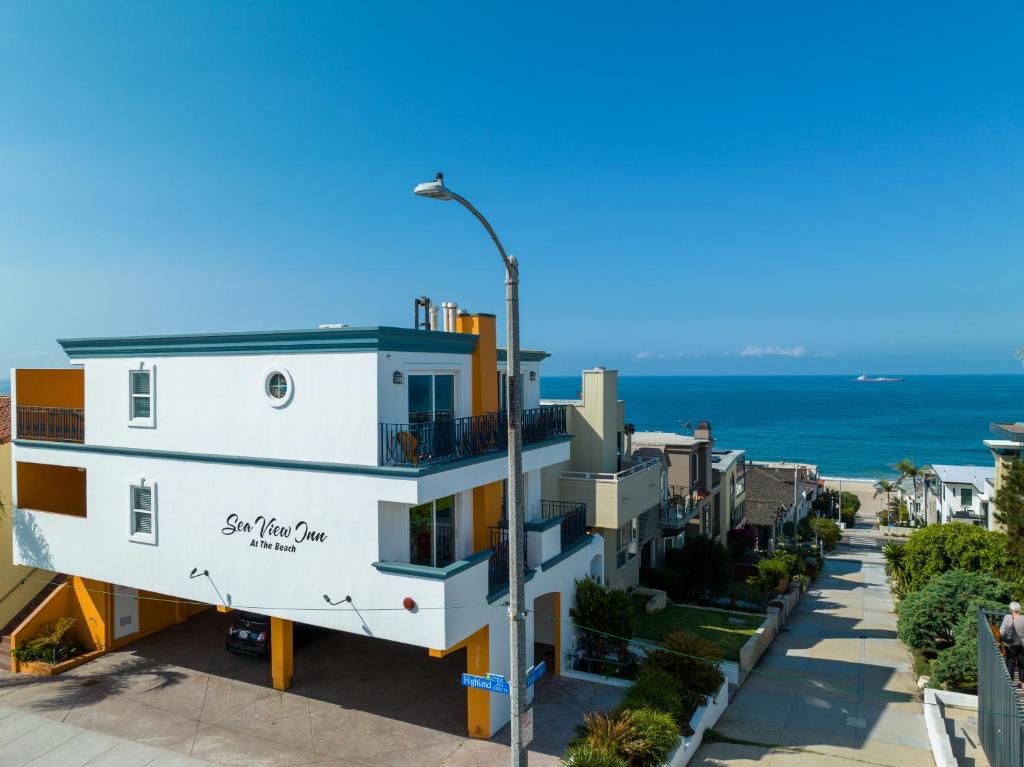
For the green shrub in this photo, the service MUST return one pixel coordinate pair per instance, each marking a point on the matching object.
(904, 514)
(52, 646)
(771, 572)
(940, 548)
(639, 737)
(956, 667)
(657, 734)
(927, 617)
(584, 755)
(827, 531)
(896, 568)
(692, 661)
(850, 500)
(606, 615)
(848, 516)
(656, 688)
(703, 565)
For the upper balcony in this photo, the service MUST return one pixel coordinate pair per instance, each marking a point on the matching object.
(50, 405)
(614, 498)
(679, 508)
(451, 439)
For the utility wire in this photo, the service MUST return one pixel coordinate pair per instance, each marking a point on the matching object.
(645, 644)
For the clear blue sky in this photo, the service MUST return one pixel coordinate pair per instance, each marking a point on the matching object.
(830, 187)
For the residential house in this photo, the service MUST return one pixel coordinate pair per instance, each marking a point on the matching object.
(620, 492)
(1008, 447)
(277, 470)
(961, 493)
(19, 585)
(728, 468)
(778, 496)
(688, 485)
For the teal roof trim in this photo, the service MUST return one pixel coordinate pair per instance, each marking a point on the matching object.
(399, 472)
(525, 355)
(434, 573)
(273, 342)
(540, 525)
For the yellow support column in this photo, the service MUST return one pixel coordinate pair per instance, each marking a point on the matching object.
(281, 666)
(478, 663)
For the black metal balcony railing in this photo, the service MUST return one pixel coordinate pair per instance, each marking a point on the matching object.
(431, 442)
(574, 519)
(55, 424)
(680, 506)
(1000, 711)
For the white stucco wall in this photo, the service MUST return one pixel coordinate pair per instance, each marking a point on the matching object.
(218, 404)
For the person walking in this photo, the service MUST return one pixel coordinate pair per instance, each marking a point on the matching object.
(1011, 631)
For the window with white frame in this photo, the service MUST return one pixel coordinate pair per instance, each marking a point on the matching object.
(142, 524)
(142, 397)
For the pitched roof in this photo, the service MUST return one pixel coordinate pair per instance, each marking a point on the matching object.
(5, 418)
(760, 512)
(763, 485)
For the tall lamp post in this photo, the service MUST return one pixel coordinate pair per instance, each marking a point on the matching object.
(436, 190)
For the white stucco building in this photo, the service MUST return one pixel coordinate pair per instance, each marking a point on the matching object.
(297, 467)
(962, 494)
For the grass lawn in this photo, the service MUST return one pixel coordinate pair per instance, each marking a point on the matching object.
(712, 624)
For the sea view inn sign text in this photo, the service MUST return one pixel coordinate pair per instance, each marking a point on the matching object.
(270, 534)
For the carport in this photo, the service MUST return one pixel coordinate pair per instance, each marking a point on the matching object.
(352, 700)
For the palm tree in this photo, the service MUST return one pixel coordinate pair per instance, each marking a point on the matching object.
(909, 470)
(884, 486)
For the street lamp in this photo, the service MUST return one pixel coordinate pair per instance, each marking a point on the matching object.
(436, 190)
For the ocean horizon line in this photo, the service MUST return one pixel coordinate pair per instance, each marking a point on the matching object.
(790, 375)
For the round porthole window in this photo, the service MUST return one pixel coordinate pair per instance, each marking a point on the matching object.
(278, 387)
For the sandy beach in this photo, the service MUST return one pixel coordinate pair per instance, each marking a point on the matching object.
(863, 489)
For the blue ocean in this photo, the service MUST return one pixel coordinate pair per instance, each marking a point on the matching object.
(849, 429)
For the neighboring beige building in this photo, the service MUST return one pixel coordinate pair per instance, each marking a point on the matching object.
(622, 493)
(729, 472)
(18, 584)
(690, 481)
(1009, 447)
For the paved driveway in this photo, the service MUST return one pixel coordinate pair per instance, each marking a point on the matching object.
(353, 701)
(835, 689)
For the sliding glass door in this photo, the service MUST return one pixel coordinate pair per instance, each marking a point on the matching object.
(432, 413)
(432, 533)
(431, 397)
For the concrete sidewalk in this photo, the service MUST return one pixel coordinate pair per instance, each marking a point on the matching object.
(836, 688)
(29, 740)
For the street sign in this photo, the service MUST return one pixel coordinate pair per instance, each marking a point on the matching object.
(491, 683)
(497, 683)
(534, 673)
(526, 726)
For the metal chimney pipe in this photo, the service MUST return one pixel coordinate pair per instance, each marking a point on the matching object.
(433, 317)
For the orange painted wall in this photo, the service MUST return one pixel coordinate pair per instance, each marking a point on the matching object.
(91, 604)
(486, 498)
(57, 489)
(50, 388)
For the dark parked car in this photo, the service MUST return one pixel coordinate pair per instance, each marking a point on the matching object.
(249, 634)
